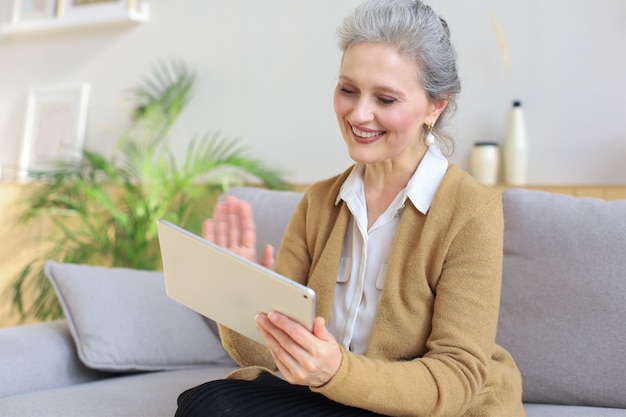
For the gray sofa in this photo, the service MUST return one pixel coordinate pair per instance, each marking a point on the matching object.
(125, 349)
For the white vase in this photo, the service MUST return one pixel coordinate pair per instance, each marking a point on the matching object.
(484, 161)
(516, 148)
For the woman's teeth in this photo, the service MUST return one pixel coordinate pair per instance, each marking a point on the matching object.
(365, 134)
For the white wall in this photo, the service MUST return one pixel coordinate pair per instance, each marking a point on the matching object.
(268, 70)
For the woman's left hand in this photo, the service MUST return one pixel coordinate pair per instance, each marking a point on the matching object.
(304, 358)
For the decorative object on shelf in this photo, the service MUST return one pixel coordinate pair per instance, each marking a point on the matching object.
(54, 127)
(70, 10)
(515, 142)
(516, 148)
(59, 15)
(103, 209)
(28, 10)
(504, 49)
(484, 162)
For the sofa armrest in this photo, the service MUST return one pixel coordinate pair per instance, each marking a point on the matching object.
(40, 356)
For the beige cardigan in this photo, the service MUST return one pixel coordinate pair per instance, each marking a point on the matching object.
(432, 351)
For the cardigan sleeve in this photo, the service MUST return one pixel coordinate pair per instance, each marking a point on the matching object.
(293, 259)
(245, 351)
(448, 378)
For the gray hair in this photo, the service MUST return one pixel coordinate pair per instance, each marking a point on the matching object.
(416, 32)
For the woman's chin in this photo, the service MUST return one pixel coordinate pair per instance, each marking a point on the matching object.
(361, 157)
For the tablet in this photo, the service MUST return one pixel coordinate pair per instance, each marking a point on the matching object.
(226, 287)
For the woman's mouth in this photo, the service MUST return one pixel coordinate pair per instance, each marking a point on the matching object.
(366, 136)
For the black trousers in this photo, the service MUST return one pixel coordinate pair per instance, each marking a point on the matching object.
(266, 396)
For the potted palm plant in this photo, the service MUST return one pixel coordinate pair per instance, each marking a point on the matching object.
(104, 209)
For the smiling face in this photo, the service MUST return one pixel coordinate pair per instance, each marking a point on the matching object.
(381, 107)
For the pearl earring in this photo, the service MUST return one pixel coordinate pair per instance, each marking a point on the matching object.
(430, 139)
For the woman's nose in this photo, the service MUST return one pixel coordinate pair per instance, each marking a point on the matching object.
(362, 111)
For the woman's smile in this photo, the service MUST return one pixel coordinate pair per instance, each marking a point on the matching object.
(365, 135)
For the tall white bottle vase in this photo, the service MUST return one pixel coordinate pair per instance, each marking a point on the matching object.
(516, 148)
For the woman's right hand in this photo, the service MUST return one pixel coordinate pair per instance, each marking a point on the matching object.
(232, 227)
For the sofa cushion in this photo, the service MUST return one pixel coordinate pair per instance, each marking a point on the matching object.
(122, 320)
(564, 297)
(40, 356)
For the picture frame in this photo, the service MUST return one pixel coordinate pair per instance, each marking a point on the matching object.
(34, 10)
(54, 126)
(87, 10)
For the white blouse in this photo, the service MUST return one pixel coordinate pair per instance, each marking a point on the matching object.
(365, 253)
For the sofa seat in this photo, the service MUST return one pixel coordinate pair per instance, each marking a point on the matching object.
(154, 394)
(146, 394)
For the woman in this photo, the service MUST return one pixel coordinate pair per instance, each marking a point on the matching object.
(403, 249)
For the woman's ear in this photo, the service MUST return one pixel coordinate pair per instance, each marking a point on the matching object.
(436, 108)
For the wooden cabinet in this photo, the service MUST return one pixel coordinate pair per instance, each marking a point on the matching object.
(606, 192)
(17, 245)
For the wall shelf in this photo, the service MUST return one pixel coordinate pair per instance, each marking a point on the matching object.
(51, 25)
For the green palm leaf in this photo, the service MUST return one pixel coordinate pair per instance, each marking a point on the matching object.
(104, 209)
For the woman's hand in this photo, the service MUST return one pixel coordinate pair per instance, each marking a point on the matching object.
(232, 227)
(304, 358)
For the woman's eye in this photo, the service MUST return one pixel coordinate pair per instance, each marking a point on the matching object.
(346, 90)
(386, 100)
